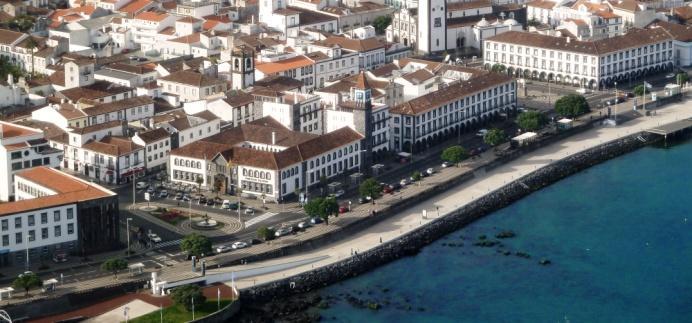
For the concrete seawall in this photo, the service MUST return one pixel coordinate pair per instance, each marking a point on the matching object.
(412, 242)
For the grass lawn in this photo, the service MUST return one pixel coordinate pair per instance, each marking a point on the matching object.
(177, 313)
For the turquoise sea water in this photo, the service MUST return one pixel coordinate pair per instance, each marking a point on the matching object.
(619, 236)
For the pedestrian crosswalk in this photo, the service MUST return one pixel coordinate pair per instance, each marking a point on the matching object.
(168, 243)
(259, 219)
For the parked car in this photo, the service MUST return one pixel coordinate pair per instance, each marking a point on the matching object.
(153, 237)
(249, 211)
(670, 75)
(481, 133)
(430, 171)
(362, 200)
(59, 257)
(226, 204)
(304, 225)
(133, 58)
(423, 173)
(316, 220)
(629, 94)
(404, 182)
(283, 231)
(339, 193)
(222, 249)
(202, 200)
(186, 197)
(210, 202)
(150, 190)
(141, 185)
(163, 194)
(179, 196)
(239, 245)
(142, 59)
(343, 209)
(387, 189)
(395, 187)
(446, 164)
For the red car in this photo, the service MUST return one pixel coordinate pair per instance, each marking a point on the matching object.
(343, 209)
(387, 189)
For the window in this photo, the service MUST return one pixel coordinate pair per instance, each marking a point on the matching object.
(18, 238)
(5, 225)
(32, 235)
(5, 240)
(16, 155)
(17, 223)
(57, 231)
(56, 215)
(30, 220)
(44, 233)
(70, 228)
(44, 218)
(70, 213)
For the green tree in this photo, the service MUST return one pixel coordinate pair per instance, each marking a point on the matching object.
(196, 244)
(498, 68)
(370, 187)
(218, 185)
(27, 282)
(533, 22)
(681, 78)
(571, 105)
(638, 90)
(265, 233)
(323, 184)
(381, 23)
(199, 180)
(454, 154)
(416, 176)
(184, 296)
(494, 137)
(531, 120)
(312, 208)
(114, 265)
(329, 206)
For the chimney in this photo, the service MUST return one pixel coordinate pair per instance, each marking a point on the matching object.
(273, 138)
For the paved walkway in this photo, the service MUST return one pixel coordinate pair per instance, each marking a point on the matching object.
(410, 219)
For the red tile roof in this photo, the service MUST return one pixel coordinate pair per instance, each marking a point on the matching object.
(284, 65)
(70, 190)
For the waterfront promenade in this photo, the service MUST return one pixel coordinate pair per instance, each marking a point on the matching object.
(411, 218)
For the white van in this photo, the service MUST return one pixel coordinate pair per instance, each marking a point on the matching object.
(226, 204)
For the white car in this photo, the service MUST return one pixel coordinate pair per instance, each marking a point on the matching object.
(141, 185)
(249, 211)
(239, 245)
(430, 171)
(446, 164)
(226, 204)
(222, 249)
(304, 225)
(154, 237)
(481, 133)
(670, 76)
(339, 193)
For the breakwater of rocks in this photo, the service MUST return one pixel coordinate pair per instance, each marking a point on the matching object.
(411, 243)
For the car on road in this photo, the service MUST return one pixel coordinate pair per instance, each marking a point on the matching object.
(304, 225)
(239, 245)
(249, 211)
(187, 198)
(395, 187)
(339, 193)
(210, 202)
(202, 200)
(163, 194)
(430, 171)
(150, 190)
(362, 200)
(316, 220)
(153, 237)
(142, 59)
(141, 185)
(226, 204)
(133, 58)
(179, 196)
(446, 164)
(386, 189)
(670, 75)
(59, 257)
(343, 209)
(481, 133)
(223, 248)
(404, 182)
(283, 231)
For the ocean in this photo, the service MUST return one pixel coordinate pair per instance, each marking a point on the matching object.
(618, 237)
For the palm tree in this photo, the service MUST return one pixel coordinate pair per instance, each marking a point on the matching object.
(31, 45)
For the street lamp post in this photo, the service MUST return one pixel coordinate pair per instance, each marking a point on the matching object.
(127, 224)
(615, 105)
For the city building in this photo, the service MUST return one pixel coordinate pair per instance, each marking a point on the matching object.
(156, 143)
(192, 86)
(22, 148)
(57, 213)
(461, 106)
(593, 64)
